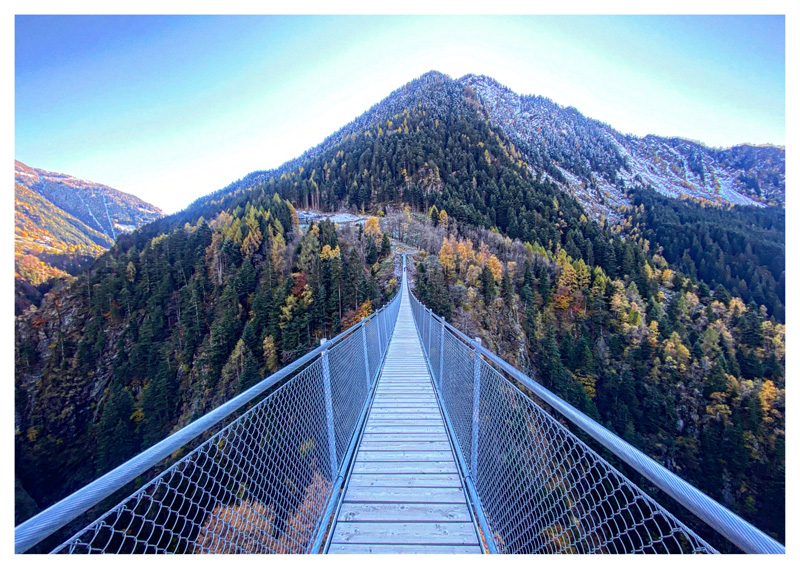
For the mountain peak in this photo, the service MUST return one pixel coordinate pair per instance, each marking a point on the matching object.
(433, 74)
(586, 157)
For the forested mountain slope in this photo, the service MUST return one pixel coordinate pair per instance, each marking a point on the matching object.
(48, 241)
(694, 379)
(102, 208)
(62, 224)
(741, 249)
(183, 312)
(159, 332)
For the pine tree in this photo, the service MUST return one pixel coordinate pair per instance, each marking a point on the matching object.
(488, 286)
(386, 245)
(372, 251)
(250, 375)
(115, 434)
(507, 289)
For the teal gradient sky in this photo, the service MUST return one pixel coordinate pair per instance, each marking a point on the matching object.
(172, 108)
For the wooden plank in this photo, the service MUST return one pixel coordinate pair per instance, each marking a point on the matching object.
(405, 422)
(401, 420)
(385, 426)
(406, 396)
(341, 548)
(407, 429)
(418, 512)
(405, 467)
(402, 456)
(399, 390)
(397, 394)
(405, 533)
(395, 399)
(405, 415)
(405, 480)
(384, 400)
(416, 445)
(426, 404)
(402, 413)
(406, 404)
(382, 494)
(405, 437)
(422, 406)
(416, 411)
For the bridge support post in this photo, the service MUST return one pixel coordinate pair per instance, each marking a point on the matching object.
(326, 382)
(379, 322)
(366, 352)
(441, 354)
(476, 400)
(430, 325)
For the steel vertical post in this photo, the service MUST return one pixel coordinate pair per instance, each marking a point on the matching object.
(379, 323)
(326, 382)
(430, 325)
(441, 354)
(366, 352)
(476, 397)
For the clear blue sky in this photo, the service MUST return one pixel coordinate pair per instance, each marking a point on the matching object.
(172, 108)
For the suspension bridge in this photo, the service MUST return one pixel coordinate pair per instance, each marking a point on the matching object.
(400, 435)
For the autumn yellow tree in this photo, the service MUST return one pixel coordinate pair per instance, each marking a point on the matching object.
(270, 354)
(328, 253)
(372, 228)
(252, 242)
(447, 257)
(443, 219)
(496, 267)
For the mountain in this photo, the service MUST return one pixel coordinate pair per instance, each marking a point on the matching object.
(102, 208)
(596, 163)
(57, 231)
(674, 355)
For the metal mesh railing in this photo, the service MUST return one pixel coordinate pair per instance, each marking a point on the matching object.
(539, 488)
(261, 484)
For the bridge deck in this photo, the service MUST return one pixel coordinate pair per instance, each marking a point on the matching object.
(404, 493)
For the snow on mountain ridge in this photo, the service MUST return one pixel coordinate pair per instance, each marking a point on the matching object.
(596, 163)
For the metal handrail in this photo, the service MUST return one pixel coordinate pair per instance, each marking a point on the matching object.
(735, 529)
(45, 523)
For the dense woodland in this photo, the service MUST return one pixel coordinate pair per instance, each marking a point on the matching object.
(669, 352)
(740, 248)
(694, 379)
(49, 245)
(154, 336)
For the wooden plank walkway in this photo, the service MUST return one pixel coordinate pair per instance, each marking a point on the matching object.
(404, 494)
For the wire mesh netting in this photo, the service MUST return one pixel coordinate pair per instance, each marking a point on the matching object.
(541, 489)
(348, 388)
(262, 483)
(258, 485)
(545, 491)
